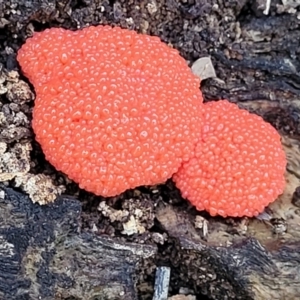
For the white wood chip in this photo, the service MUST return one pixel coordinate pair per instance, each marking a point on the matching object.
(204, 68)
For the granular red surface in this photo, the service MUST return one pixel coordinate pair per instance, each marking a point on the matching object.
(114, 109)
(239, 165)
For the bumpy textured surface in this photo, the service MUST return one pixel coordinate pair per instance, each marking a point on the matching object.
(113, 109)
(238, 168)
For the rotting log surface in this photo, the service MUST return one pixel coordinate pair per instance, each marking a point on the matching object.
(44, 256)
(255, 57)
(243, 270)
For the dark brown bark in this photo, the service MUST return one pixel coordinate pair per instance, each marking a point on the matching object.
(43, 255)
(246, 269)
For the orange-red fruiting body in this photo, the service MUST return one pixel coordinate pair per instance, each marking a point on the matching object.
(114, 109)
(239, 165)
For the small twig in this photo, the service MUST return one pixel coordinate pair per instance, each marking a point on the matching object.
(161, 286)
(268, 5)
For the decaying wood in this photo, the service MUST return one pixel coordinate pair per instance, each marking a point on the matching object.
(44, 256)
(242, 269)
(254, 48)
